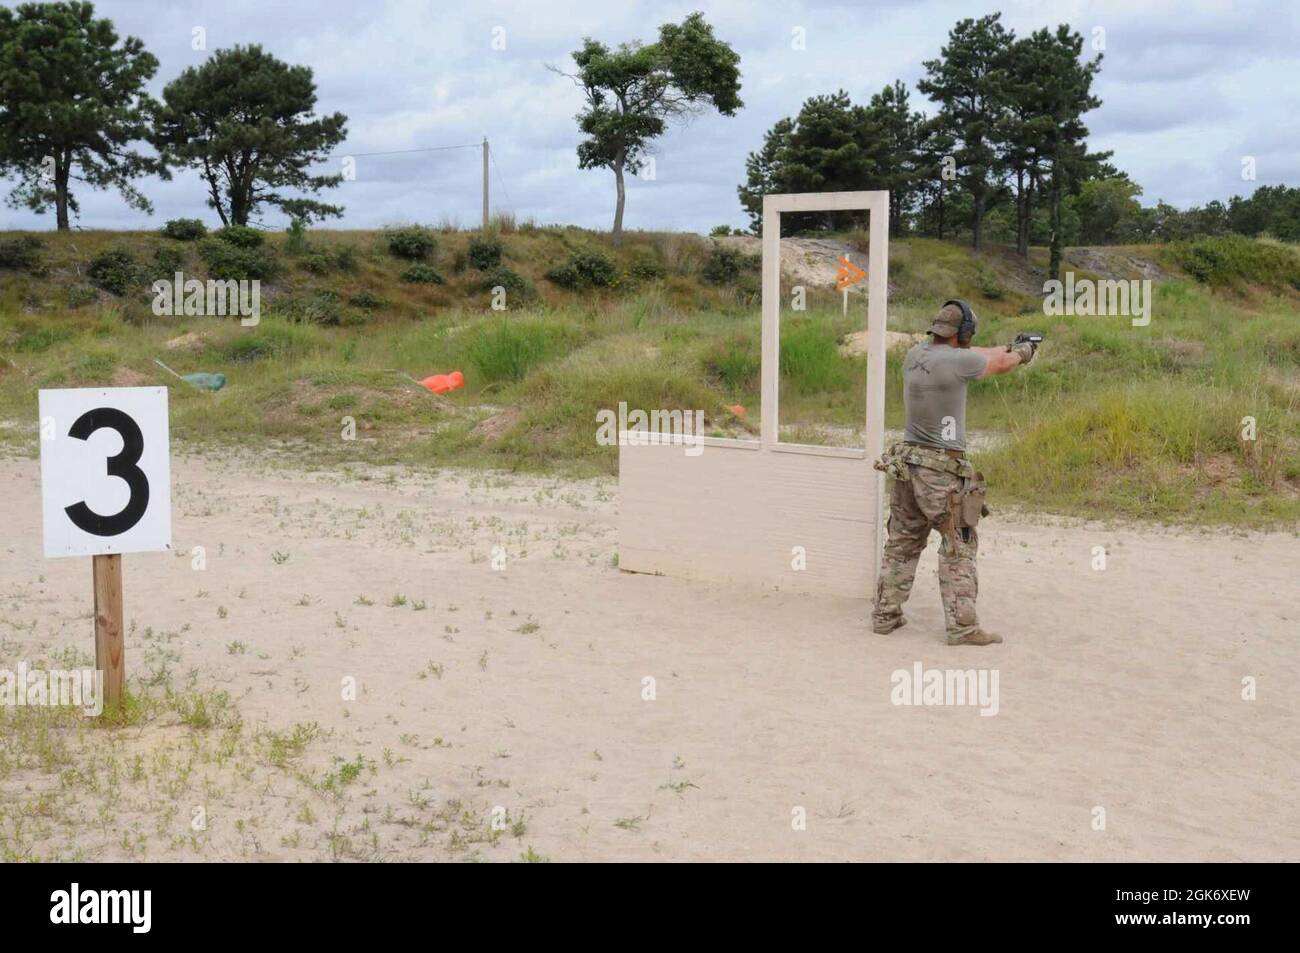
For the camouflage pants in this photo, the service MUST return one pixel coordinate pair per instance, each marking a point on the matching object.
(916, 507)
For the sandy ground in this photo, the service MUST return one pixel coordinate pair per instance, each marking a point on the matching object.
(521, 689)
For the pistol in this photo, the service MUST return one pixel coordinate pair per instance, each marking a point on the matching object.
(1027, 337)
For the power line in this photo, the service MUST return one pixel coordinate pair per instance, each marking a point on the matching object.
(401, 152)
(492, 154)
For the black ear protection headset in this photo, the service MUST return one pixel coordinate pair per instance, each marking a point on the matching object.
(966, 330)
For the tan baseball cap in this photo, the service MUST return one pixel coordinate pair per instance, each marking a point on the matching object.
(947, 322)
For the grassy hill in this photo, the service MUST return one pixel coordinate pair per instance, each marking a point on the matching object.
(1109, 420)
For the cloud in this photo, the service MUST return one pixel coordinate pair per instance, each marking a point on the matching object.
(1185, 87)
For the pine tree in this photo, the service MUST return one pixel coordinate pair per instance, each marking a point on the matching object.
(633, 91)
(899, 168)
(967, 82)
(1062, 97)
(73, 102)
(245, 121)
(762, 171)
(935, 175)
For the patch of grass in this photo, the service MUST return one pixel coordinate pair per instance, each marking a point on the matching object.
(735, 362)
(506, 350)
(1161, 451)
(536, 375)
(1235, 259)
(810, 358)
(203, 710)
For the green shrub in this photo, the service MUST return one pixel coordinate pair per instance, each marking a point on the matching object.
(734, 363)
(327, 261)
(585, 269)
(646, 266)
(513, 282)
(988, 285)
(345, 258)
(485, 253)
(78, 296)
(115, 270)
(241, 236)
(295, 237)
(411, 242)
(22, 253)
(506, 350)
(720, 231)
(185, 229)
(422, 275)
(226, 261)
(319, 262)
(1228, 259)
(323, 307)
(248, 347)
(166, 262)
(276, 340)
(364, 299)
(725, 265)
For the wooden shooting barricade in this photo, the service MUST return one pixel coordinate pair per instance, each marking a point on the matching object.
(762, 512)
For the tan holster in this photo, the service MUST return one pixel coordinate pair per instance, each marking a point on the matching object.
(967, 504)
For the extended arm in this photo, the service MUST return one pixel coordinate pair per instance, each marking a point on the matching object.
(1000, 360)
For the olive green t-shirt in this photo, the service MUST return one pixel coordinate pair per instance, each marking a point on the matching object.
(934, 388)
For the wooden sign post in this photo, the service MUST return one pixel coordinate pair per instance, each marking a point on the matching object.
(105, 491)
(110, 656)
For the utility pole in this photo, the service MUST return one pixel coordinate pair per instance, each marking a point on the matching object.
(485, 183)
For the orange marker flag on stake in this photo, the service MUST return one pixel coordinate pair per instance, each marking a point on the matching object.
(848, 275)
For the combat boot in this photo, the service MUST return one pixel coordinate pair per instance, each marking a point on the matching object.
(978, 637)
(887, 626)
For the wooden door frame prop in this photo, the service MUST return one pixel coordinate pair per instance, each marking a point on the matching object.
(793, 516)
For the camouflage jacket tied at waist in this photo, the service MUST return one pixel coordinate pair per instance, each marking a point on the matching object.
(897, 458)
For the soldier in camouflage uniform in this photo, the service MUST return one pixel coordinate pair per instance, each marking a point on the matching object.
(934, 485)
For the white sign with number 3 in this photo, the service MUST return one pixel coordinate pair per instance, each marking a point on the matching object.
(105, 470)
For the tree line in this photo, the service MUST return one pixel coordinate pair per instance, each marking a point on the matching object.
(1005, 156)
(73, 106)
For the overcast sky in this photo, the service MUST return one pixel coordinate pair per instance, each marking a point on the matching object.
(1188, 89)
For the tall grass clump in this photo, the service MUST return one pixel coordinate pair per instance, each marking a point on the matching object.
(1232, 259)
(560, 401)
(1140, 450)
(734, 362)
(810, 357)
(507, 350)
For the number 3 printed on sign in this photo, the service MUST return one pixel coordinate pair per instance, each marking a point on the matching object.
(122, 465)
